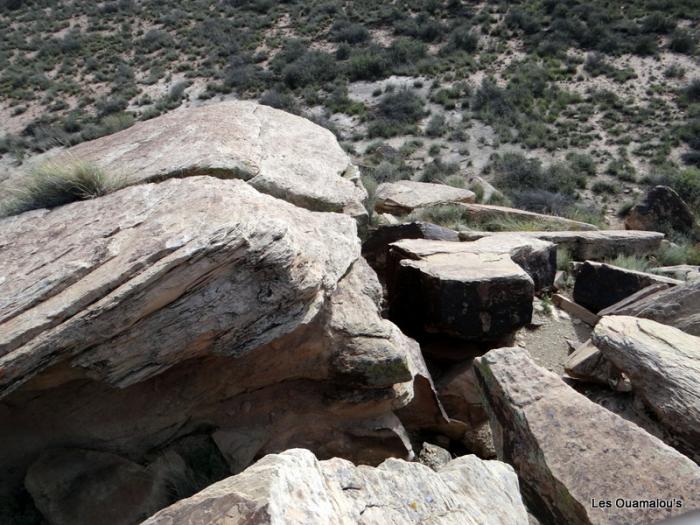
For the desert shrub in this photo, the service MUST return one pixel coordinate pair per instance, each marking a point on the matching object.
(622, 169)
(436, 126)
(657, 23)
(461, 38)
(156, 39)
(603, 186)
(397, 112)
(279, 100)
(312, 67)
(691, 93)
(438, 170)
(682, 41)
(55, 183)
(630, 262)
(564, 259)
(581, 163)
(368, 64)
(406, 52)
(516, 174)
(682, 251)
(350, 33)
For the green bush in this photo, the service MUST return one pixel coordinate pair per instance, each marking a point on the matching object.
(56, 183)
(682, 41)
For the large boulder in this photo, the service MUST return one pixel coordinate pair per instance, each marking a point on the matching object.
(294, 488)
(592, 245)
(276, 152)
(402, 197)
(662, 210)
(677, 306)
(577, 462)
(197, 306)
(599, 285)
(480, 290)
(663, 364)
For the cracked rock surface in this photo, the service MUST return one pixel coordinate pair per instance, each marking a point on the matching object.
(294, 488)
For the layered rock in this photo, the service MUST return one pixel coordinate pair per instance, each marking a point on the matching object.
(592, 245)
(197, 306)
(276, 152)
(480, 213)
(587, 363)
(600, 285)
(294, 488)
(571, 454)
(677, 306)
(376, 248)
(663, 364)
(662, 210)
(481, 290)
(403, 197)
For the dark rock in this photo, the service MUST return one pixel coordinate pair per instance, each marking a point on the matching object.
(662, 210)
(600, 285)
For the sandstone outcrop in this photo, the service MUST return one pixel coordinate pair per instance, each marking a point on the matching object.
(294, 488)
(276, 152)
(405, 196)
(599, 285)
(480, 290)
(197, 307)
(570, 453)
(592, 245)
(663, 364)
(662, 210)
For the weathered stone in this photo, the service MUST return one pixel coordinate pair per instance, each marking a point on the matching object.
(677, 306)
(197, 306)
(276, 152)
(599, 285)
(576, 310)
(662, 210)
(587, 363)
(72, 486)
(592, 245)
(433, 456)
(663, 364)
(376, 248)
(487, 190)
(402, 197)
(570, 453)
(470, 290)
(682, 272)
(294, 488)
(460, 396)
(484, 212)
(468, 295)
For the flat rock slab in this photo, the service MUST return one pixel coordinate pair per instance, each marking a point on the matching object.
(294, 488)
(599, 285)
(473, 291)
(485, 212)
(277, 153)
(593, 245)
(572, 455)
(663, 364)
(402, 197)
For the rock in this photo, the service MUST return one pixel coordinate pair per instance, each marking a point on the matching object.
(375, 249)
(570, 453)
(575, 310)
(677, 306)
(682, 272)
(460, 395)
(599, 285)
(72, 486)
(294, 488)
(197, 306)
(433, 456)
(587, 363)
(662, 210)
(593, 245)
(487, 190)
(277, 153)
(663, 364)
(402, 197)
(472, 296)
(479, 213)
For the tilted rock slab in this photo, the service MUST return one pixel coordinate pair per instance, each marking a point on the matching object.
(592, 245)
(571, 454)
(470, 290)
(402, 197)
(599, 285)
(197, 306)
(663, 364)
(294, 488)
(662, 209)
(485, 212)
(276, 152)
(677, 306)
